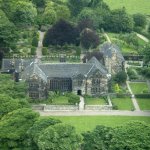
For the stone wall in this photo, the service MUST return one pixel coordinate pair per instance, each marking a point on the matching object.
(60, 107)
(98, 107)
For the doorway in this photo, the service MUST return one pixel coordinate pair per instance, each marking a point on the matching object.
(79, 92)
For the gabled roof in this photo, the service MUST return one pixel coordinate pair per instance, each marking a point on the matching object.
(64, 70)
(109, 48)
(97, 65)
(8, 64)
(33, 69)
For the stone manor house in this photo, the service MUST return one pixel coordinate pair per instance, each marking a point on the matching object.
(80, 78)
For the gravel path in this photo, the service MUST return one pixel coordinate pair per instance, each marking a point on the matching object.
(134, 101)
(142, 37)
(40, 46)
(107, 37)
(81, 104)
(95, 113)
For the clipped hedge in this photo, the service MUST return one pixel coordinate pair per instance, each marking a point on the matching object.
(142, 95)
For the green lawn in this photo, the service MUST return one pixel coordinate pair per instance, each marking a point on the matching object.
(138, 88)
(132, 6)
(123, 103)
(94, 101)
(88, 123)
(60, 100)
(144, 103)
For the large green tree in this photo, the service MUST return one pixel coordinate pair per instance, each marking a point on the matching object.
(39, 126)
(55, 11)
(9, 104)
(98, 139)
(119, 21)
(14, 126)
(24, 14)
(130, 136)
(77, 5)
(140, 20)
(8, 33)
(59, 137)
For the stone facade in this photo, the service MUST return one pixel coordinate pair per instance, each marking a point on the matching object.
(113, 59)
(90, 78)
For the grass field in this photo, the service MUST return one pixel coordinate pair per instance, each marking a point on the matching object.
(123, 103)
(88, 123)
(144, 103)
(61, 100)
(94, 101)
(132, 6)
(138, 88)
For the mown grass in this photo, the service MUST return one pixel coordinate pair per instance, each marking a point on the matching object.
(132, 6)
(94, 101)
(144, 103)
(60, 100)
(138, 88)
(88, 123)
(123, 103)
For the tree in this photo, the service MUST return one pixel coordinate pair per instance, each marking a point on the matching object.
(8, 33)
(59, 137)
(133, 135)
(130, 136)
(139, 20)
(38, 127)
(85, 23)
(61, 33)
(121, 77)
(13, 128)
(55, 11)
(146, 53)
(39, 3)
(9, 104)
(98, 139)
(119, 21)
(24, 14)
(88, 13)
(89, 39)
(77, 5)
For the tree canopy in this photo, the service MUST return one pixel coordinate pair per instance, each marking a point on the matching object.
(61, 33)
(59, 137)
(13, 128)
(132, 135)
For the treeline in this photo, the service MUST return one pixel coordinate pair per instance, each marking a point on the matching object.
(93, 14)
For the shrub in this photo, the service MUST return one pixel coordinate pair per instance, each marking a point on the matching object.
(33, 50)
(35, 41)
(44, 51)
(73, 99)
(121, 77)
(142, 95)
(132, 73)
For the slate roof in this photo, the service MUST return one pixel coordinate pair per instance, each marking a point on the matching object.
(63, 70)
(7, 64)
(97, 65)
(108, 48)
(33, 69)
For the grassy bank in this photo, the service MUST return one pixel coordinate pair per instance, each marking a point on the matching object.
(132, 6)
(87, 123)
